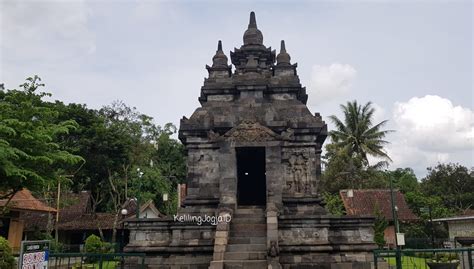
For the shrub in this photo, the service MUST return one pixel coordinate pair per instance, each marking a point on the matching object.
(380, 225)
(6, 257)
(93, 244)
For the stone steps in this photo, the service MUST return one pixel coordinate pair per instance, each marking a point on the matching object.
(253, 255)
(248, 220)
(247, 240)
(248, 227)
(247, 233)
(239, 264)
(250, 210)
(246, 247)
(248, 216)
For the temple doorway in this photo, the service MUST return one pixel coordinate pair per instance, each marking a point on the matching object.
(251, 180)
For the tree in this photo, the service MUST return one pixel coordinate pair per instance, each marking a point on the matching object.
(140, 142)
(405, 179)
(453, 183)
(345, 172)
(170, 156)
(334, 204)
(30, 156)
(356, 134)
(7, 260)
(380, 224)
(115, 141)
(421, 203)
(354, 139)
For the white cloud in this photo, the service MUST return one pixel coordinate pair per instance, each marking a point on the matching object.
(433, 123)
(429, 130)
(328, 82)
(45, 30)
(379, 114)
(404, 154)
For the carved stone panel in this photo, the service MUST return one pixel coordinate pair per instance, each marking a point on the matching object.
(298, 172)
(249, 131)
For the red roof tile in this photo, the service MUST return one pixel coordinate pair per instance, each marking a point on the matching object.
(25, 201)
(367, 201)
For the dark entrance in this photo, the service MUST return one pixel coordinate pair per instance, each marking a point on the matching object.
(251, 181)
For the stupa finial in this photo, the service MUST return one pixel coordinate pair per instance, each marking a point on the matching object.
(282, 46)
(253, 21)
(253, 36)
(283, 58)
(219, 60)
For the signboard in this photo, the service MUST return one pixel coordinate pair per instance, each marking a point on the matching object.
(34, 255)
(401, 239)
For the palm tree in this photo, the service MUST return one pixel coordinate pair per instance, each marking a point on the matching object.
(356, 134)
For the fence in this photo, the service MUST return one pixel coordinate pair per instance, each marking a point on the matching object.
(423, 243)
(456, 258)
(96, 261)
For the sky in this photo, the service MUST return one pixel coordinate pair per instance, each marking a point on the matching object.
(412, 59)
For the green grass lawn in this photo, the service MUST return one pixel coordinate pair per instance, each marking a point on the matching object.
(105, 265)
(409, 262)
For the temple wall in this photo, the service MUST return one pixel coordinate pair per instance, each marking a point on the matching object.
(203, 173)
(326, 242)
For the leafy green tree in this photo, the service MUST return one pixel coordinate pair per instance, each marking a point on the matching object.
(454, 183)
(345, 172)
(30, 155)
(170, 156)
(115, 141)
(420, 203)
(7, 261)
(152, 186)
(380, 224)
(95, 144)
(334, 204)
(405, 180)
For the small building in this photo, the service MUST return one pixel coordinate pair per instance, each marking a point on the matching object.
(76, 221)
(367, 202)
(149, 211)
(459, 226)
(12, 222)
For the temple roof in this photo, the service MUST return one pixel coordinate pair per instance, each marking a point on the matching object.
(263, 88)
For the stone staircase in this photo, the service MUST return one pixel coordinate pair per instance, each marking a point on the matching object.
(247, 246)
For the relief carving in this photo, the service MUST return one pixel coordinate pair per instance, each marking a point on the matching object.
(249, 131)
(211, 135)
(298, 180)
(289, 134)
(273, 251)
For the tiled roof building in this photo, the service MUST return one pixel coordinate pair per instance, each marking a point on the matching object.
(366, 202)
(25, 201)
(11, 222)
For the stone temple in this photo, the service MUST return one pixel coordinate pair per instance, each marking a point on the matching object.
(254, 155)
